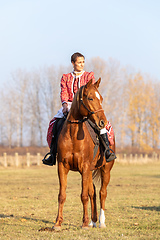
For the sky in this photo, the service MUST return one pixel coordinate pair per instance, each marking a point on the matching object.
(37, 33)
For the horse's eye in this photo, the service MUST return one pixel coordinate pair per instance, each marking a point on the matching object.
(90, 99)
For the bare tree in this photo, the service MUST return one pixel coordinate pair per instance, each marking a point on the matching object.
(8, 117)
(20, 80)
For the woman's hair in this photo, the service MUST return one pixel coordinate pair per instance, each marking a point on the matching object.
(75, 55)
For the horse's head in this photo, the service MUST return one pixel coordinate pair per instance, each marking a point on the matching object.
(91, 104)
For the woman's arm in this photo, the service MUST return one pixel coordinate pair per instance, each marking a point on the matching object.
(64, 92)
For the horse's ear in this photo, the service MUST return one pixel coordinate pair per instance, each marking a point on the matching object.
(97, 83)
(88, 84)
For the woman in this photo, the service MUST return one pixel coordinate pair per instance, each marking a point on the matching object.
(70, 83)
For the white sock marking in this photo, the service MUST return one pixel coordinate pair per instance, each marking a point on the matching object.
(92, 224)
(102, 219)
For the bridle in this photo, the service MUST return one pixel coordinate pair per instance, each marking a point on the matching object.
(80, 99)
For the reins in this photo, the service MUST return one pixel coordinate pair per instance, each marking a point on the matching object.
(89, 111)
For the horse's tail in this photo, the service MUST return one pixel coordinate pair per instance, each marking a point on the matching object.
(96, 176)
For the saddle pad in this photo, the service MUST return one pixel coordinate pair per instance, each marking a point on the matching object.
(92, 133)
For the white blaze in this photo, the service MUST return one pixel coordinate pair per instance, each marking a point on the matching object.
(97, 95)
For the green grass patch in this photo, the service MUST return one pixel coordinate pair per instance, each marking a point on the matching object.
(29, 201)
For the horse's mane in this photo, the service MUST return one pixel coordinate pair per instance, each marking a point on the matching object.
(75, 102)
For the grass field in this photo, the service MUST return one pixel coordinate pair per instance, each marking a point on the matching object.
(28, 202)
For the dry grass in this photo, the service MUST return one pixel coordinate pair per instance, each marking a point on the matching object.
(28, 202)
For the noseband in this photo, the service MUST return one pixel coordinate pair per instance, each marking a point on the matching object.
(80, 96)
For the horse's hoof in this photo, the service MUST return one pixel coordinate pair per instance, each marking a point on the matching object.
(57, 228)
(102, 225)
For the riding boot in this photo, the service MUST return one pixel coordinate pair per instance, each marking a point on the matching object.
(108, 153)
(51, 160)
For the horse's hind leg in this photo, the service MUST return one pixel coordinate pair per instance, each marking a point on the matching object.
(92, 195)
(62, 174)
(105, 178)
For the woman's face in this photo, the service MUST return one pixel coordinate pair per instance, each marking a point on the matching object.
(78, 65)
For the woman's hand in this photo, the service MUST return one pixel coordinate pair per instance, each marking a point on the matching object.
(65, 108)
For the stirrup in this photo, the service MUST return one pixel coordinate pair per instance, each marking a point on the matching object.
(111, 156)
(46, 155)
(51, 160)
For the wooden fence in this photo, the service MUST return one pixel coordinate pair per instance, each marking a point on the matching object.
(20, 161)
(138, 158)
(36, 160)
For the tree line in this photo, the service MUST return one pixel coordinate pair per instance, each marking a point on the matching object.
(131, 102)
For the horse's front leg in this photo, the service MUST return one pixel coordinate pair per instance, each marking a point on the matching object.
(84, 194)
(105, 178)
(92, 195)
(62, 174)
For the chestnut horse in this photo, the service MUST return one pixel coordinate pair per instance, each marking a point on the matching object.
(75, 152)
